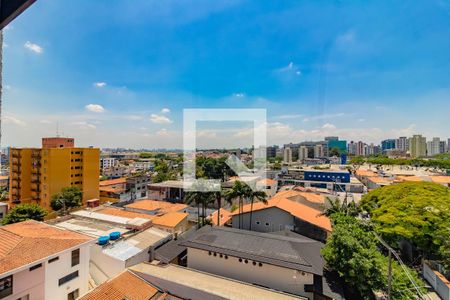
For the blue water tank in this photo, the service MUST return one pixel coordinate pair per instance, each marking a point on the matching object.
(114, 235)
(103, 240)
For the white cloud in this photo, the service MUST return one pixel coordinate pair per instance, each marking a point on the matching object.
(162, 132)
(361, 120)
(97, 108)
(159, 119)
(84, 125)
(291, 68)
(239, 95)
(328, 126)
(45, 122)
(165, 110)
(13, 120)
(293, 116)
(133, 117)
(324, 116)
(99, 84)
(33, 47)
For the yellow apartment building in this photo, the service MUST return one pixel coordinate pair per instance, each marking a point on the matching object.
(36, 174)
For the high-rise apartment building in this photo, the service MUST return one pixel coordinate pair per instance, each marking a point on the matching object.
(302, 153)
(287, 155)
(435, 146)
(318, 151)
(37, 174)
(360, 148)
(387, 144)
(402, 143)
(417, 146)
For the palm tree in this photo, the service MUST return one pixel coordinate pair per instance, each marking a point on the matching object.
(197, 198)
(335, 206)
(255, 195)
(236, 192)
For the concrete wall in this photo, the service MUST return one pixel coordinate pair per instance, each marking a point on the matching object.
(274, 277)
(436, 280)
(108, 265)
(43, 283)
(28, 282)
(62, 267)
(266, 220)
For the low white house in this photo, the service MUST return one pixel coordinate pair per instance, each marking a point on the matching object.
(280, 262)
(39, 261)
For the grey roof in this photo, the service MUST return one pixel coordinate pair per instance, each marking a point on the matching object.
(284, 251)
(172, 249)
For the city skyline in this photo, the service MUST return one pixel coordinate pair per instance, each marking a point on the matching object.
(122, 80)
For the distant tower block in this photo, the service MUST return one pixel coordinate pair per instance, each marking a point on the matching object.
(58, 142)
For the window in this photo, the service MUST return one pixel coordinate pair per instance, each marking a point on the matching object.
(75, 257)
(73, 295)
(35, 267)
(53, 259)
(26, 297)
(267, 224)
(257, 222)
(67, 278)
(6, 286)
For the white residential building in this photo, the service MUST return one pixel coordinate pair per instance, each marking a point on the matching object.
(40, 261)
(302, 153)
(434, 146)
(287, 155)
(108, 162)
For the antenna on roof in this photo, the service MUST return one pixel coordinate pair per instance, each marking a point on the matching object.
(57, 128)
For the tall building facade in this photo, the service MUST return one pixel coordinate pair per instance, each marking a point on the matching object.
(417, 146)
(287, 155)
(435, 146)
(58, 142)
(402, 143)
(37, 174)
(302, 153)
(387, 144)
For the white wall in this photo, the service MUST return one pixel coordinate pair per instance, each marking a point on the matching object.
(274, 277)
(108, 265)
(42, 283)
(62, 267)
(28, 282)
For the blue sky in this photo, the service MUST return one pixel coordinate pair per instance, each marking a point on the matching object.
(119, 73)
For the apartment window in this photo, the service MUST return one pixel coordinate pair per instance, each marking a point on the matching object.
(257, 222)
(35, 267)
(73, 295)
(53, 259)
(6, 286)
(67, 278)
(267, 224)
(75, 257)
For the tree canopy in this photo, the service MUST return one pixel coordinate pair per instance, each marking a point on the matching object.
(416, 211)
(353, 251)
(69, 197)
(23, 212)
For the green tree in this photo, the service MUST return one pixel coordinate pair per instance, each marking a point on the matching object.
(336, 206)
(255, 195)
(416, 211)
(335, 151)
(353, 251)
(23, 212)
(69, 197)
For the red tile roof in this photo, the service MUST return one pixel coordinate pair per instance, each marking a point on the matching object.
(160, 206)
(301, 211)
(112, 181)
(225, 216)
(124, 286)
(26, 242)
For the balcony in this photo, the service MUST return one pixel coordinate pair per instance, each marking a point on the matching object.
(15, 168)
(16, 201)
(35, 170)
(36, 154)
(35, 179)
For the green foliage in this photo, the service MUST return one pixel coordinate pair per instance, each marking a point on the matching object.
(163, 172)
(416, 211)
(69, 197)
(441, 161)
(336, 206)
(352, 251)
(145, 155)
(23, 212)
(202, 200)
(335, 151)
(212, 168)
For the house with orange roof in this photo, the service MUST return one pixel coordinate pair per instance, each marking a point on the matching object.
(225, 217)
(40, 261)
(378, 181)
(154, 207)
(286, 210)
(172, 222)
(114, 190)
(270, 186)
(127, 285)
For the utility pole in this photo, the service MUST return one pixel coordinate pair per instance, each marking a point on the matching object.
(389, 275)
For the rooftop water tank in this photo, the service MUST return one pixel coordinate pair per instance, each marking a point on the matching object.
(114, 235)
(103, 240)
